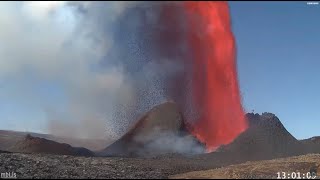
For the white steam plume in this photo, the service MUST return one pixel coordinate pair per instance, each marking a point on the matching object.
(90, 51)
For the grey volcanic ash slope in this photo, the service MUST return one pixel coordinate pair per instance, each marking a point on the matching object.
(40, 145)
(159, 131)
(266, 138)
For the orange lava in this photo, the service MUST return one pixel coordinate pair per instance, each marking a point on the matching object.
(216, 94)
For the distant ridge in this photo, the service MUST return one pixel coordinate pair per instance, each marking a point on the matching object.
(10, 138)
(32, 144)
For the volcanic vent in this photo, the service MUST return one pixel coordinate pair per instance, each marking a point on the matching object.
(190, 49)
(162, 130)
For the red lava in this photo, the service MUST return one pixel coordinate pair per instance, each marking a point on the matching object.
(215, 83)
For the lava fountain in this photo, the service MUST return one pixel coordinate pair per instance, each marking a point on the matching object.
(196, 40)
(215, 84)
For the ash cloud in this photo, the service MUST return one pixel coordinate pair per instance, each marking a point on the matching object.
(99, 57)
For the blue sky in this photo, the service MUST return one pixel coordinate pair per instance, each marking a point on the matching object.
(278, 46)
(278, 61)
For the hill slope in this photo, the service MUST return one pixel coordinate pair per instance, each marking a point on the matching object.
(266, 138)
(159, 131)
(10, 138)
(40, 145)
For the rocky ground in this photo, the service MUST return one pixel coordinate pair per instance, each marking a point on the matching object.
(57, 166)
(63, 166)
(54, 166)
(261, 169)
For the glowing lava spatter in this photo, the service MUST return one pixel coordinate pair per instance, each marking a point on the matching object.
(215, 84)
